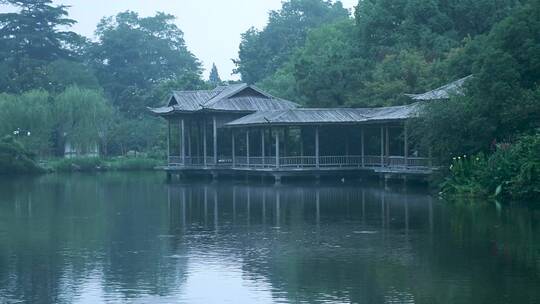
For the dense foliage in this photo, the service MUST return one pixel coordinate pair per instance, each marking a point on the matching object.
(392, 47)
(61, 88)
(513, 170)
(44, 122)
(15, 159)
(503, 97)
(389, 48)
(134, 54)
(263, 52)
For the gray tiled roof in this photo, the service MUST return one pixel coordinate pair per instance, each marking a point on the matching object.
(444, 92)
(303, 116)
(235, 98)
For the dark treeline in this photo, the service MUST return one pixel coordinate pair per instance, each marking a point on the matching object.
(58, 87)
(313, 52)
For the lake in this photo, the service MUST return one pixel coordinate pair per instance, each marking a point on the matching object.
(133, 238)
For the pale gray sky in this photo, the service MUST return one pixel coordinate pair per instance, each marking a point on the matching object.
(212, 28)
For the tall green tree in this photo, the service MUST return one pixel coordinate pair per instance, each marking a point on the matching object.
(82, 117)
(393, 47)
(263, 52)
(31, 37)
(214, 78)
(28, 118)
(503, 97)
(134, 54)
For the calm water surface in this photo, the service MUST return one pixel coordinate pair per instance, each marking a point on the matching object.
(131, 238)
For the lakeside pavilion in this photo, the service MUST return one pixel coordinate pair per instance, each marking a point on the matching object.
(241, 130)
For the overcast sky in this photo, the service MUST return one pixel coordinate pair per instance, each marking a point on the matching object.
(212, 28)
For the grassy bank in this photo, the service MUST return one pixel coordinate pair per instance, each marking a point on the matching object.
(89, 164)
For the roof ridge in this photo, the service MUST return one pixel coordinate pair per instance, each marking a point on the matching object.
(240, 86)
(191, 91)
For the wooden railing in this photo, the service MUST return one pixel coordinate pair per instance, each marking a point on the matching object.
(305, 162)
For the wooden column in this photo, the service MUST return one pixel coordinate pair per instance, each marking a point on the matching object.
(189, 139)
(382, 146)
(277, 148)
(168, 141)
(387, 152)
(183, 131)
(204, 141)
(362, 146)
(247, 147)
(214, 127)
(317, 161)
(233, 148)
(302, 142)
(263, 147)
(285, 141)
(198, 142)
(347, 142)
(406, 145)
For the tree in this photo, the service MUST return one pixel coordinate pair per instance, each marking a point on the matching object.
(82, 117)
(134, 54)
(214, 76)
(502, 97)
(392, 48)
(33, 31)
(30, 38)
(29, 118)
(325, 69)
(263, 52)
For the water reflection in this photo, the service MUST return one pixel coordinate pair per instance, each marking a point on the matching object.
(130, 238)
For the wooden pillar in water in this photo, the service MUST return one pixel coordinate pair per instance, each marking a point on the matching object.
(216, 214)
(317, 161)
(214, 127)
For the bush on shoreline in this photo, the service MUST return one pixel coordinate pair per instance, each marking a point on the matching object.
(512, 172)
(15, 159)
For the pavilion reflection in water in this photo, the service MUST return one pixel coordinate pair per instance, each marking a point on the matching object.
(235, 204)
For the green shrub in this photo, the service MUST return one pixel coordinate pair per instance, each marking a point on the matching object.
(133, 164)
(15, 159)
(512, 171)
(466, 176)
(77, 164)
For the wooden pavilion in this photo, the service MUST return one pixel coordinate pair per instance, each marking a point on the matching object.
(239, 129)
